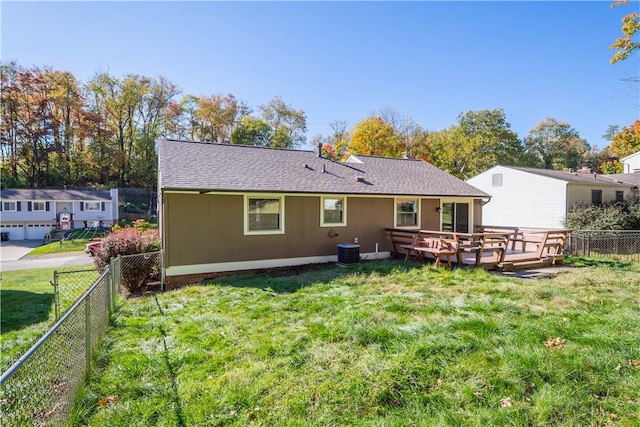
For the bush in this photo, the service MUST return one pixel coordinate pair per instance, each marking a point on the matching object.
(609, 216)
(130, 241)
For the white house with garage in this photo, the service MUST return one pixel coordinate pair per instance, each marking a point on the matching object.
(530, 197)
(29, 214)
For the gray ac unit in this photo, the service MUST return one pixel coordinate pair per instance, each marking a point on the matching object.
(348, 253)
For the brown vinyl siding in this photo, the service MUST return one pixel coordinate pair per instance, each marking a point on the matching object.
(429, 215)
(206, 228)
(477, 214)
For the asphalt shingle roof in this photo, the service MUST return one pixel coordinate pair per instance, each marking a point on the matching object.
(187, 165)
(628, 178)
(53, 194)
(573, 177)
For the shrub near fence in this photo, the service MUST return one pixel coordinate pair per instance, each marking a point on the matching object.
(621, 245)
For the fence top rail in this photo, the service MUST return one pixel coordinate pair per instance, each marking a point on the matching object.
(141, 254)
(14, 368)
(580, 232)
(79, 271)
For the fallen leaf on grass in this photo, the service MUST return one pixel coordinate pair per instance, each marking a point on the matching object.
(109, 400)
(506, 402)
(555, 342)
(634, 363)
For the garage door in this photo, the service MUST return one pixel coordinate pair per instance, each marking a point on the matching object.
(16, 232)
(37, 231)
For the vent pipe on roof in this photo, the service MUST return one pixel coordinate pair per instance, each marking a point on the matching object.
(319, 149)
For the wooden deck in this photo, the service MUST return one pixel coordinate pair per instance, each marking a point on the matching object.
(502, 248)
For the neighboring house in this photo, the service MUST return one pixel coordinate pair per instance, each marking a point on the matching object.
(29, 214)
(227, 207)
(631, 163)
(529, 197)
(628, 178)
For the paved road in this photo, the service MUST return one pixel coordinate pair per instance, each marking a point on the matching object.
(13, 257)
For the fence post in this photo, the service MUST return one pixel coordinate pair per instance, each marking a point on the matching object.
(161, 270)
(112, 284)
(87, 323)
(109, 292)
(56, 295)
(118, 274)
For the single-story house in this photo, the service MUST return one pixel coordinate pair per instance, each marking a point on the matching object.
(29, 214)
(227, 207)
(631, 163)
(632, 179)
(530, 197)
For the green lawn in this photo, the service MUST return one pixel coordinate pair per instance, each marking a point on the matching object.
(62, 246)
(75, 242)
(382, 343)
(28, 310)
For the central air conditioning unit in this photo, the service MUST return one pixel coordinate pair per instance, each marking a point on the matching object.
(348, 253)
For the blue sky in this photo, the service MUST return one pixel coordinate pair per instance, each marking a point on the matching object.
(345, 60)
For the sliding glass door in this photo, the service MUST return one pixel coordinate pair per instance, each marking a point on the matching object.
(455, 217)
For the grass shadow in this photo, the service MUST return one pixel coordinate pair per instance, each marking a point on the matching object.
(291, 279)
(23, 308)
(598, 262)
(177, 402)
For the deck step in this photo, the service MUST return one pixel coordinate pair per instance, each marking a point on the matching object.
(520, 265)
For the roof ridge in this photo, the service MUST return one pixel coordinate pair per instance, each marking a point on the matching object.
(224, 144)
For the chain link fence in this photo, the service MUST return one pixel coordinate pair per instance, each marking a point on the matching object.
(613, 244)
(68, 286)
(135, 272)
(40, 388)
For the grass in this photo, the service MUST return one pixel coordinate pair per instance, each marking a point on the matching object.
(382, 344)
(75, 242)
(28, 310)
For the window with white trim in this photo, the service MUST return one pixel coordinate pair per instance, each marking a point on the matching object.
(407, 213)
(9, 206)
(91, 206)
(264, 215)
(38, 206)
(333, 211)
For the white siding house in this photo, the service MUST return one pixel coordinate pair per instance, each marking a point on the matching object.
(631, 163)
(529, 197)
(29, 214)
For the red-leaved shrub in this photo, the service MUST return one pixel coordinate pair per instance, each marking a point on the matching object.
(130, 241)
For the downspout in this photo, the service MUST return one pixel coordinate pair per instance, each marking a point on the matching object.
(482, 203)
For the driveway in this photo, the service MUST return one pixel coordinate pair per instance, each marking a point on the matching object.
(12, 250)
(13, 257)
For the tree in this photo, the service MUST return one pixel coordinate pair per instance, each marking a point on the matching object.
(252, 131)
(340, 138)
(116, 101)
(490, 140)
(151, 117)
(627, 140)
(373, 136)
(215, 117)
(440, 149)
(626, 45)
(556, 145)
(289, 125)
